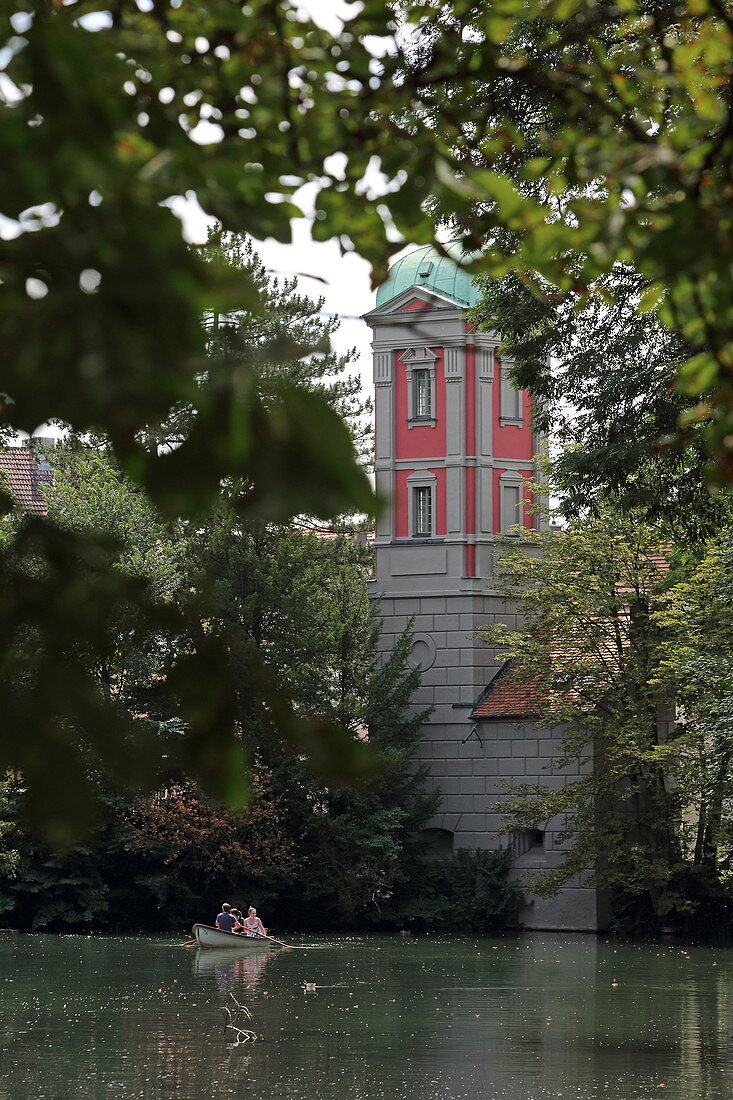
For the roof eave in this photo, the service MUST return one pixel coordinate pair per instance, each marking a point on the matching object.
(503, 717)
(434, 299)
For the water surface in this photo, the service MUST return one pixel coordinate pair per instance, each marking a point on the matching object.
(541, 1017)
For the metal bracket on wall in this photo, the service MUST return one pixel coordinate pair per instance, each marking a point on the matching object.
(473, 730)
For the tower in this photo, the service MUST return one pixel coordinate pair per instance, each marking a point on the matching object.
(454, 445)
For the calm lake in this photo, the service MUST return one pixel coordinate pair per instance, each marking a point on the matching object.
(537, 1017)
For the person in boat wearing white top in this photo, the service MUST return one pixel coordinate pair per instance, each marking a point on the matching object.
(252, 924)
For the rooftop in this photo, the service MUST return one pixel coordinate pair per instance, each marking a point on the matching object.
(507, 697)
(23, 478)
(426, 267)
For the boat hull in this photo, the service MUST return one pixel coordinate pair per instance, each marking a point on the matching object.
(208, 936)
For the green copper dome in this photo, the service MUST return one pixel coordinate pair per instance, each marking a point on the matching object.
(425, 267)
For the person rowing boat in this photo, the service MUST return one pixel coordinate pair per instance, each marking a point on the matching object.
(252, 925)
(226, 921)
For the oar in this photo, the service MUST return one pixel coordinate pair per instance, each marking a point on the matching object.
(278, 942)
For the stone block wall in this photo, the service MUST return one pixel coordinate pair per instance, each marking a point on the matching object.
(472, 764)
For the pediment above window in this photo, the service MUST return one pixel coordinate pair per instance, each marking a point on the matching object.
(419, 357)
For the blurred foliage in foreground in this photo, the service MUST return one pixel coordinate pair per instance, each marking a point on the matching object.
(562, 135)
(108, 117)
(115, 656)
(572, 136)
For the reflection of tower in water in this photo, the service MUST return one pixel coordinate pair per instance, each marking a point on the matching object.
(705, 1009)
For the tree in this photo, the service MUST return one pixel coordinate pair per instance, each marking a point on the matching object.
(696, 618)
(600, 372)
(237, 108)
(187, 848)
(572, 136)
(301, 600)
(590, 652)
(365, 842)
(91, 496)
(272, 591)
(99, 263)
(153, 860)
(8, 835)
(101, 315)
(105, 525)
(303, 845)
(290, 341)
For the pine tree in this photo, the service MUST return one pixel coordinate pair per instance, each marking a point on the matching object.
(275, 334)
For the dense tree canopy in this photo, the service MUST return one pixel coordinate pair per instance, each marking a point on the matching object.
(106, 118)
(295, 599)
(600, 373)
(144, 672)
(563, 136)
(625, 650)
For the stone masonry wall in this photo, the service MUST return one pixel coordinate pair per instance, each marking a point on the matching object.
(473, 772)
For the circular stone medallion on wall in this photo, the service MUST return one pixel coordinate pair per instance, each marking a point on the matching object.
(422, 653)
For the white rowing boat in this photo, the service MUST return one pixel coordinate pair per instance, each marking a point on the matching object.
(208, 936)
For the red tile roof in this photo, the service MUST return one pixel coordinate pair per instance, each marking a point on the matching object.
(23, 479)
(506, 697)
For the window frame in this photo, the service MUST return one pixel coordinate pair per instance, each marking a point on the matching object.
(511, 514)
(425, 492)
(510, 398)
(422, 386)
(421, 478)
(416, 360)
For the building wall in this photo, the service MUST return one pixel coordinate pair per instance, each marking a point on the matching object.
(474, 772)
(480, 442)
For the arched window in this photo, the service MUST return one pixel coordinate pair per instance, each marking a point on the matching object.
(438, 843)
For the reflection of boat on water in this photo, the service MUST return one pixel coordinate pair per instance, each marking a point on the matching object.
(232, 971)
(207, 961)
(208, 936)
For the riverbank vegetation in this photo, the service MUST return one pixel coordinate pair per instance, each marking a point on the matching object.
(159, 863)
(292, 595)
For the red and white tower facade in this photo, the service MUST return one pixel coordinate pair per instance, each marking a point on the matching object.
(455, 444)
(454, 438)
